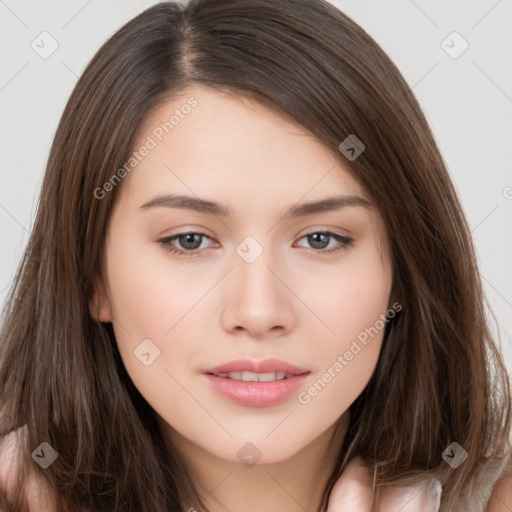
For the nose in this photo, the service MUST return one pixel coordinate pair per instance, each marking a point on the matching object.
(258, 302)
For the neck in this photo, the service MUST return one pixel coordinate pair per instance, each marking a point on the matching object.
(291, 485)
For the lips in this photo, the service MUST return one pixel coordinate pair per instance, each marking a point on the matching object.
(265, 366)
(256, 383)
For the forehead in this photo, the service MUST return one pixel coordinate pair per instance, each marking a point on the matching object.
(213, 142)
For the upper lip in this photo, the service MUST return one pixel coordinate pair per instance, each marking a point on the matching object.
(265, 366)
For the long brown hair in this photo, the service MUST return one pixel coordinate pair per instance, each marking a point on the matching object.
(61, 374)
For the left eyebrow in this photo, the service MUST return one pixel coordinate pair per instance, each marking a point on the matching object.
(214, 208)
(326, 205)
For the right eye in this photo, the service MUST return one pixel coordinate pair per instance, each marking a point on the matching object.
(189, 242)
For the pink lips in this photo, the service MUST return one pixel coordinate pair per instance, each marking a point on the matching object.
(248, 365)
(257, 394)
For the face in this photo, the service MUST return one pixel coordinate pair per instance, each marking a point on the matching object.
(251, 263)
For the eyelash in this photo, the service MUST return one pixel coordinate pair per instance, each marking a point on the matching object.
(166, 243)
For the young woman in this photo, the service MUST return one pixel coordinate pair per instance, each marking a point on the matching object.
(250, 284)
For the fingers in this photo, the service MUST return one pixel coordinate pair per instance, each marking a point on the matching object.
(424, 497)
(353, 490)
(39, 495)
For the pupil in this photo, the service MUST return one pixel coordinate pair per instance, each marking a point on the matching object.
(319, 240)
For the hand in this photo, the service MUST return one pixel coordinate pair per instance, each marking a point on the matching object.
(353, 493)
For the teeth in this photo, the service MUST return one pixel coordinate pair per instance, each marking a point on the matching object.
(255, 377)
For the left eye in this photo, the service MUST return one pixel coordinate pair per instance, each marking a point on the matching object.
(191, 243)
(323, 239)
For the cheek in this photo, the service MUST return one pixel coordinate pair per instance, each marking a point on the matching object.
(352, 302)
(149, 295)
(349, 297)
(151, 298)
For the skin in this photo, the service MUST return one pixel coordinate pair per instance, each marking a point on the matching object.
(294, 302)
(501, 497)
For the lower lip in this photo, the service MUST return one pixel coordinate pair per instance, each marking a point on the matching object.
(256, 394)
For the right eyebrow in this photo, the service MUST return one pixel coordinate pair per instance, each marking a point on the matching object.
(189, 203)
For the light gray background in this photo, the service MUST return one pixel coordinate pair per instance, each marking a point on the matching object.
(467, 100)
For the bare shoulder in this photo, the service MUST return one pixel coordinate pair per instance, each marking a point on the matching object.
(8, 459)
(36, 490)
(501, 497)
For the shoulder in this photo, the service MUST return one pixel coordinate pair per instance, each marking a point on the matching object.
(37, 492)
(501, 496)
(9, 460)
